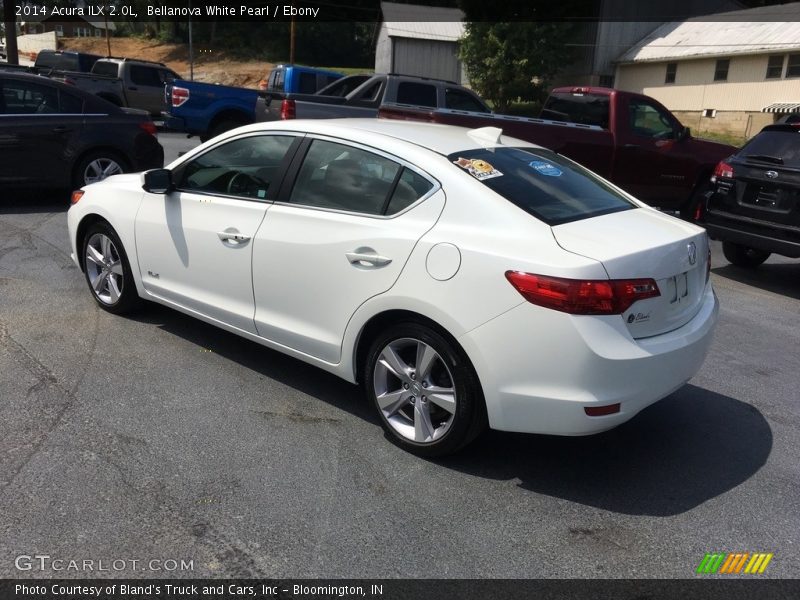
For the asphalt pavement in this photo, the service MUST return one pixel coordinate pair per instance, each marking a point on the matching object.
(160, 437)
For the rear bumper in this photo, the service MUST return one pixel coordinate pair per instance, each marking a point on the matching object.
(539, 371)
(754, 235)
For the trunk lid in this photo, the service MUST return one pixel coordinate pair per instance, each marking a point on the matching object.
(639, 244)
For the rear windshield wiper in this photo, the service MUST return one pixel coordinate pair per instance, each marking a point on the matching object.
(775, 160)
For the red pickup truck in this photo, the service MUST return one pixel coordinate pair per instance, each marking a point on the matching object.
(628, 138)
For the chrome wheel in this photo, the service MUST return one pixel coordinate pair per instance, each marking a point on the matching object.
(99, 169)
(414, 390)
(104, 268)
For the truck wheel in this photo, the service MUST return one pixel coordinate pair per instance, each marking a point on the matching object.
(743, 256)
(697, 198)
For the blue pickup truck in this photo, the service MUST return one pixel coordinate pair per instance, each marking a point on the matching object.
(207, 110)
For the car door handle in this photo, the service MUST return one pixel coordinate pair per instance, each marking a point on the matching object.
(366, 257)
(133, 88)
(631, 146)
(61, 129)
(233, 237)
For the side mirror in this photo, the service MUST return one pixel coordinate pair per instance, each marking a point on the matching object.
(157, 181)
(684, 134)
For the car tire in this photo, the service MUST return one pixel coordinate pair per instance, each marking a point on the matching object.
(430, 414)
(744, 256)
(98, 165)
(107, 270)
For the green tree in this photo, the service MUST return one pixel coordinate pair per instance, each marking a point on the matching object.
(508, 62)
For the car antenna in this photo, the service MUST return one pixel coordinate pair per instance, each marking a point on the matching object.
(486, 134)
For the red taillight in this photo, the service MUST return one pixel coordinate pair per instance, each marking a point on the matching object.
(601, 411)
(179, 96)
(287, 109)
(76, 196)
(723, 169)
(698, 210)
(582, 297)
(149, 127)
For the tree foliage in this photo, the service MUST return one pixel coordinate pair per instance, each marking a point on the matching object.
(508, 62)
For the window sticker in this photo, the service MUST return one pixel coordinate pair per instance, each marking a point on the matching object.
(545, 168)
(479, 169)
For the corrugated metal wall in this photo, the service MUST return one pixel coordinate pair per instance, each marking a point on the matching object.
(425, 58)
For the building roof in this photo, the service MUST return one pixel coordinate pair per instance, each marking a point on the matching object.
(423, 22)
(761, 30)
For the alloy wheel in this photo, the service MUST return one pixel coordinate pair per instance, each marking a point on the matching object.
(104, 268)
(99, 169)
(414, 390)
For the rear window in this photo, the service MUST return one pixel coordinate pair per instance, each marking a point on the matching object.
(308, 83)
(783, 145)
(544, 184)
(105, 68)
(587, 109)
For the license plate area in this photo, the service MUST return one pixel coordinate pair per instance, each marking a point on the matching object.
(677, 288)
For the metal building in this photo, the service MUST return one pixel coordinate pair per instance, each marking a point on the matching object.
(420, 40)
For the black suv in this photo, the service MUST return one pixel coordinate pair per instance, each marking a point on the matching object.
(754, 207)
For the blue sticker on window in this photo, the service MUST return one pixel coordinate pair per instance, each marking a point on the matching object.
(545, 168)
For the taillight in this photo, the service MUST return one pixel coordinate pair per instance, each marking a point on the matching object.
(582, 297)
(68, 81)
(76, 196)
(602, 411)
(723, 169)
(698, 210)
(288, 109)
(179, 96)
(149, 127)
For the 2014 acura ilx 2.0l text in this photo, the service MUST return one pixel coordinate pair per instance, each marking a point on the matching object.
(464, 278)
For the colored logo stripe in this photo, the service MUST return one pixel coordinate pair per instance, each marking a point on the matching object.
(734, 562)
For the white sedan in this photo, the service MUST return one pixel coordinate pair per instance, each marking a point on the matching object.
(464, 278)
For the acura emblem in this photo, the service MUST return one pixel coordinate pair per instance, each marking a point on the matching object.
(771, 174)
(692, 248)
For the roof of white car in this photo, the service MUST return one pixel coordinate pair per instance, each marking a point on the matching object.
(443, 139)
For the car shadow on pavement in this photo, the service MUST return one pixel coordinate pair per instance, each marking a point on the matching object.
(678, 453)
(779, 278)
(673, 456)
(30, 201)
(275, 365)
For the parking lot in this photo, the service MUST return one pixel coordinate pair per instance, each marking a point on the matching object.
(161, 437)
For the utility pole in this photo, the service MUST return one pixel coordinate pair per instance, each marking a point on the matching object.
(291, 38)
(191, 46)
(108, 39)
(10, 23)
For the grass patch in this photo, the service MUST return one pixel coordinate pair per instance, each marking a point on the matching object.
(726, 138)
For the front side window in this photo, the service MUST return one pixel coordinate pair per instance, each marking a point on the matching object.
(648, 121)
(544, 184)
(147, 76)
(341, 177)
(672, 71)
(248, 167)
(26, 98)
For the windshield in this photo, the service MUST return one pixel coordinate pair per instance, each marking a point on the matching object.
(544, 184)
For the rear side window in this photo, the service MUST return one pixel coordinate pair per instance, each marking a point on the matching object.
(782, 145)
(308, 83)
(70, 104)
(544, 184)
(419, 94)
(587, 109)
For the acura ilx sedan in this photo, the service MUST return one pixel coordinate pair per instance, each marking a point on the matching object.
(465, 279)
